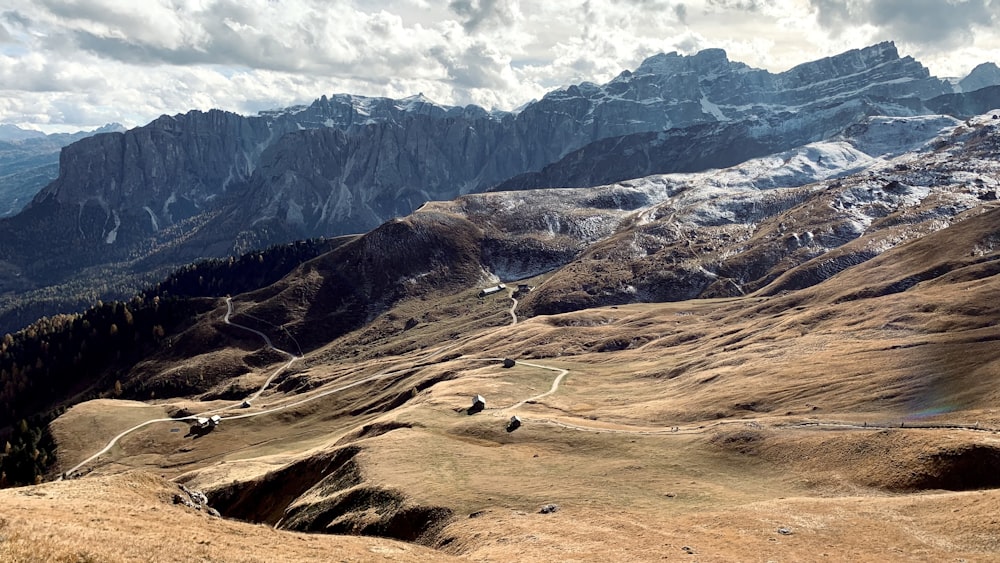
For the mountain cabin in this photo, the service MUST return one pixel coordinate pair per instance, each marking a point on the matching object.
(491, 290)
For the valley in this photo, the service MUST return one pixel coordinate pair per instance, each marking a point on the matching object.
(706, 313)
(784, 423)
(623, 446)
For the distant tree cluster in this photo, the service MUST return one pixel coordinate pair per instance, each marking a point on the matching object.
(20, 308)
(62, 360)
(232, 276)
(27, 453)
(81, 356)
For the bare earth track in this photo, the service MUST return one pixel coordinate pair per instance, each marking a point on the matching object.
(560, 376)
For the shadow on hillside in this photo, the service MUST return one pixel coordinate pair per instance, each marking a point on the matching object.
(362, 279)
(196, 431)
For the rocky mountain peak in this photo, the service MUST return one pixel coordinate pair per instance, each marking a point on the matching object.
(711, 58)
(660, 63)
(874, 54)
(114, 127)
(877, 70)
(669, 64)
(983, 76)
(849, 62)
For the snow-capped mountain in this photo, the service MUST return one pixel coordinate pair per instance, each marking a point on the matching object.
(673, 91)
(675, 114)
(211, 183)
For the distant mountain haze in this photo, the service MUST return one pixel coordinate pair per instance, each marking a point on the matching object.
(29, 160)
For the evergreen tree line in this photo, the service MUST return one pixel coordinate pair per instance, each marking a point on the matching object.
(232, 276)
(20, 308)
(27, 452)
(59, 361)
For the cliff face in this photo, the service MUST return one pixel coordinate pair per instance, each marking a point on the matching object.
(29, 161)
(177, 165)
(120, 193)
(326, 181)
(347, 163)
(212, 183)
(171, 168)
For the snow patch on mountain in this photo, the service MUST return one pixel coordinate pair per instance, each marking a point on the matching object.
(113, 233)
(797, 167)
(712, 109)
(832, 192)
(414, 103)
(152, 218)
(888, 137)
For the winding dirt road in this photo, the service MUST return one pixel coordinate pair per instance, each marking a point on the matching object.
(555, 384)
(229, 311)
(561, 374)
(114, 441)
(387, 372)
(292, 358)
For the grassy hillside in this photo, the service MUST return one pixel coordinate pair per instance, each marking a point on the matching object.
(854, 419)
(830, 394)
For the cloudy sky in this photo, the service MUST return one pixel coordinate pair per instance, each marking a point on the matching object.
(74, 64)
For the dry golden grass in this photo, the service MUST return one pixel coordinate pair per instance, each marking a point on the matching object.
(744, 381)
(132, 518)
(924, 528)
(723, 491)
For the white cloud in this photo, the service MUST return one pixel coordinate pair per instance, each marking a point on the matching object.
(918, 22)
(491, 13)
(81, 63)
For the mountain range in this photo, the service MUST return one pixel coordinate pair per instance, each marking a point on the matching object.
(702, 311)
(798, 334)
(128, 206)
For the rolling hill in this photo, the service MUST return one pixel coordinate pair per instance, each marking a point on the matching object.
(792, 358)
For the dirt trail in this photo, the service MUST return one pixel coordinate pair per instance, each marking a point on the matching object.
(561, 373)
(317, 394)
